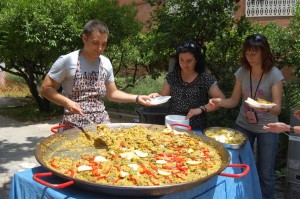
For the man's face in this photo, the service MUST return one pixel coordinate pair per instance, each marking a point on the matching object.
(94, 45)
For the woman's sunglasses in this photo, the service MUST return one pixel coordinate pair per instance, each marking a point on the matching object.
(185, 46)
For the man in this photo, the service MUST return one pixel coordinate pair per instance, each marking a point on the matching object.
(86, 77)
(279, 127)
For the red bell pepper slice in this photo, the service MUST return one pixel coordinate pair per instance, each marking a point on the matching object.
(133, 179)
(53, 164)
(154, 183)
(153, 167)
(108, 170)
(71, 171)
(117, 167)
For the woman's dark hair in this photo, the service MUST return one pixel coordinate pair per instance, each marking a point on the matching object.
(255, 42)
(191, 47)
(95, 25)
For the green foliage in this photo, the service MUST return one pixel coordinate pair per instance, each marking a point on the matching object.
(144, 87)
(14, 78)
(132, 60)
(294, 29)
(223, 57)
(282, 42)
(221, 40)
(121, 20)
(179, 20)
(290, 100)
(149, 85)
(34, 34)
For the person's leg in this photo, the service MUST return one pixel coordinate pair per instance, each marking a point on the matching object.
(251, 136)
(266, 153)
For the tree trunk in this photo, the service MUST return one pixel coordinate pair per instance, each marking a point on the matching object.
(31, 79)
(43, 103)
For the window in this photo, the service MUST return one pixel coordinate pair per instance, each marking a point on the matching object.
(269, 8)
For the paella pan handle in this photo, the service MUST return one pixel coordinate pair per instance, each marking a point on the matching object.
(245, 166)
(54, 129)
(37, 176)
(188, 128)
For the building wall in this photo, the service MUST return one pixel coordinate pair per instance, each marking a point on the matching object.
(143, 8)
(280, 20)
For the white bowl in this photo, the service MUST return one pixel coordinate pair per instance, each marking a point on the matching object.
(176, 119)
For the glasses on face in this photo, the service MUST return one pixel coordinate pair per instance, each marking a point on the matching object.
(186, 45)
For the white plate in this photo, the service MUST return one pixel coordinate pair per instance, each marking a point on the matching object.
(254, 104)
(160, 100)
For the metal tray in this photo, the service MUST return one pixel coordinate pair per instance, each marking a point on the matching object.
(230, 146)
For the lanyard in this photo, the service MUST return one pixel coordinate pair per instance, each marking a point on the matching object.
(257, 85)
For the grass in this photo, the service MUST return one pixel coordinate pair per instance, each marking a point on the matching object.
(21, 113)
(148, 85)
(145, 87)
(15, 87)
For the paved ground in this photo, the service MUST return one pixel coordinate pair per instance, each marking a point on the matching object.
(18, 140)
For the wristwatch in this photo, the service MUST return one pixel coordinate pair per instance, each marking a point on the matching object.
(203, 109)
(292, 129)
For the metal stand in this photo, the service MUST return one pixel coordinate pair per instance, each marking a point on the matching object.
(293, 163)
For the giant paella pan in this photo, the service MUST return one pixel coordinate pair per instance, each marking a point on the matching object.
(132, 159)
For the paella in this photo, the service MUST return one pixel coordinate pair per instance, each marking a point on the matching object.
(135, 156)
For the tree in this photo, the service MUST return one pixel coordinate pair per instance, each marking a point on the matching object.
(33, 34)
(178, 20)
(294, 27)
(210, 23)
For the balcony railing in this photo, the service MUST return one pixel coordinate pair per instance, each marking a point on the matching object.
(269, 8)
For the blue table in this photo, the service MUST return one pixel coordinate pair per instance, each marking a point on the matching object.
(23, 185)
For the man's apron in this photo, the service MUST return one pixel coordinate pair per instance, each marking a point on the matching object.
(88, 92)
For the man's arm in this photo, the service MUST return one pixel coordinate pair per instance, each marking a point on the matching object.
(48, 90)
(113, 94)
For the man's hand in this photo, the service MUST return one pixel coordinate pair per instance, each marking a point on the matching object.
(144, 100)
(154, 95)
(73, 107)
